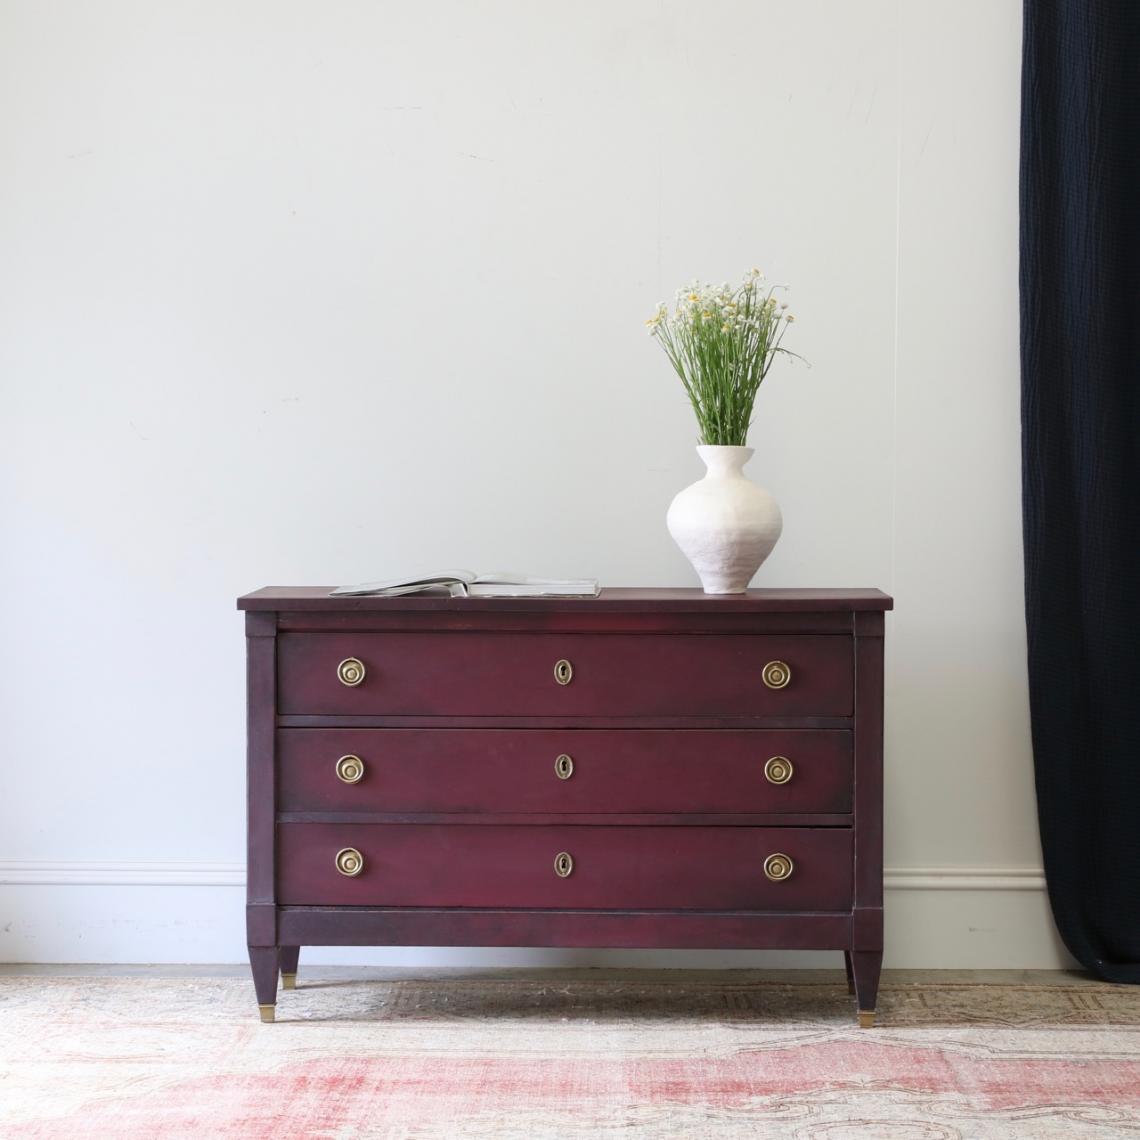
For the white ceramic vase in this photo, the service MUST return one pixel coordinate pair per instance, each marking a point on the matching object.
(725, 525)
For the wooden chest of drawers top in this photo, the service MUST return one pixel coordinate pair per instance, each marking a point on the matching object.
(312, 600)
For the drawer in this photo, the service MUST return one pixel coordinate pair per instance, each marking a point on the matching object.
(563, 770)
(474, 673)
(630, 868)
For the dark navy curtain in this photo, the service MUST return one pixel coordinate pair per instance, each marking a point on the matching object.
(1080, 379)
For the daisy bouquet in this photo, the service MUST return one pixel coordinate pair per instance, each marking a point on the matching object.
(721, 342)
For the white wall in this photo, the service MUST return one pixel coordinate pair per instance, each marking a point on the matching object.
(305, 293)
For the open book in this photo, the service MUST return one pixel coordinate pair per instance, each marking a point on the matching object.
(465, 584)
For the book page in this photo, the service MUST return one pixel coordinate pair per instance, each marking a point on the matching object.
(397, 586)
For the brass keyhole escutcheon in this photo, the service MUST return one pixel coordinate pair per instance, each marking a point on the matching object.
(778, 867)
(776, 674)
(350, 671)
(564, 767)
(349, 861)
(778, 770)
(350, 769)
(563, 671)
(563, 864)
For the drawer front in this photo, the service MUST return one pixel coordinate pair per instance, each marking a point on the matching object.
(513, 674)
(563, 770)
(633, 868)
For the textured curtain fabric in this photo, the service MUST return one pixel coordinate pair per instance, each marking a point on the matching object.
(1080, 365)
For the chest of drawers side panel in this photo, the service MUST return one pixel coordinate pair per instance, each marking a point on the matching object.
(261, 712)
(868, 918)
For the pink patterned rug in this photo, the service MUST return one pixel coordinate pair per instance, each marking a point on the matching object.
(522, 1057)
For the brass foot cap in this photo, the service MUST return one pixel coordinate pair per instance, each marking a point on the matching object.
(267, 1012)
(288, 981)
(866, 1018)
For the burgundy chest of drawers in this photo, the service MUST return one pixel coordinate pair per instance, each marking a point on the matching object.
(649, 768)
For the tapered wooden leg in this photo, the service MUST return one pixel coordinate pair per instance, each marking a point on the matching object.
(288, 956)
(263, 963)
(850, 975)
(866, 965)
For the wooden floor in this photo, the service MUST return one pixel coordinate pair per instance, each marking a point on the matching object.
(389, 973)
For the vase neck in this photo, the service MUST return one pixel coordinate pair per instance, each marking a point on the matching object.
(722, 461)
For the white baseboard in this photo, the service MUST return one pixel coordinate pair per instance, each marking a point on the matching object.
(121, 874)
(964, 879)
(154, 874)
(937, 918)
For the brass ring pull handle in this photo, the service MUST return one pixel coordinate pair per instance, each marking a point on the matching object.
(349, 861)
(778, 867)
(350, 671)
(564, 767)
(778, 770)
(563, 671)
(776, 675)
(563, 864)
(350, 769)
